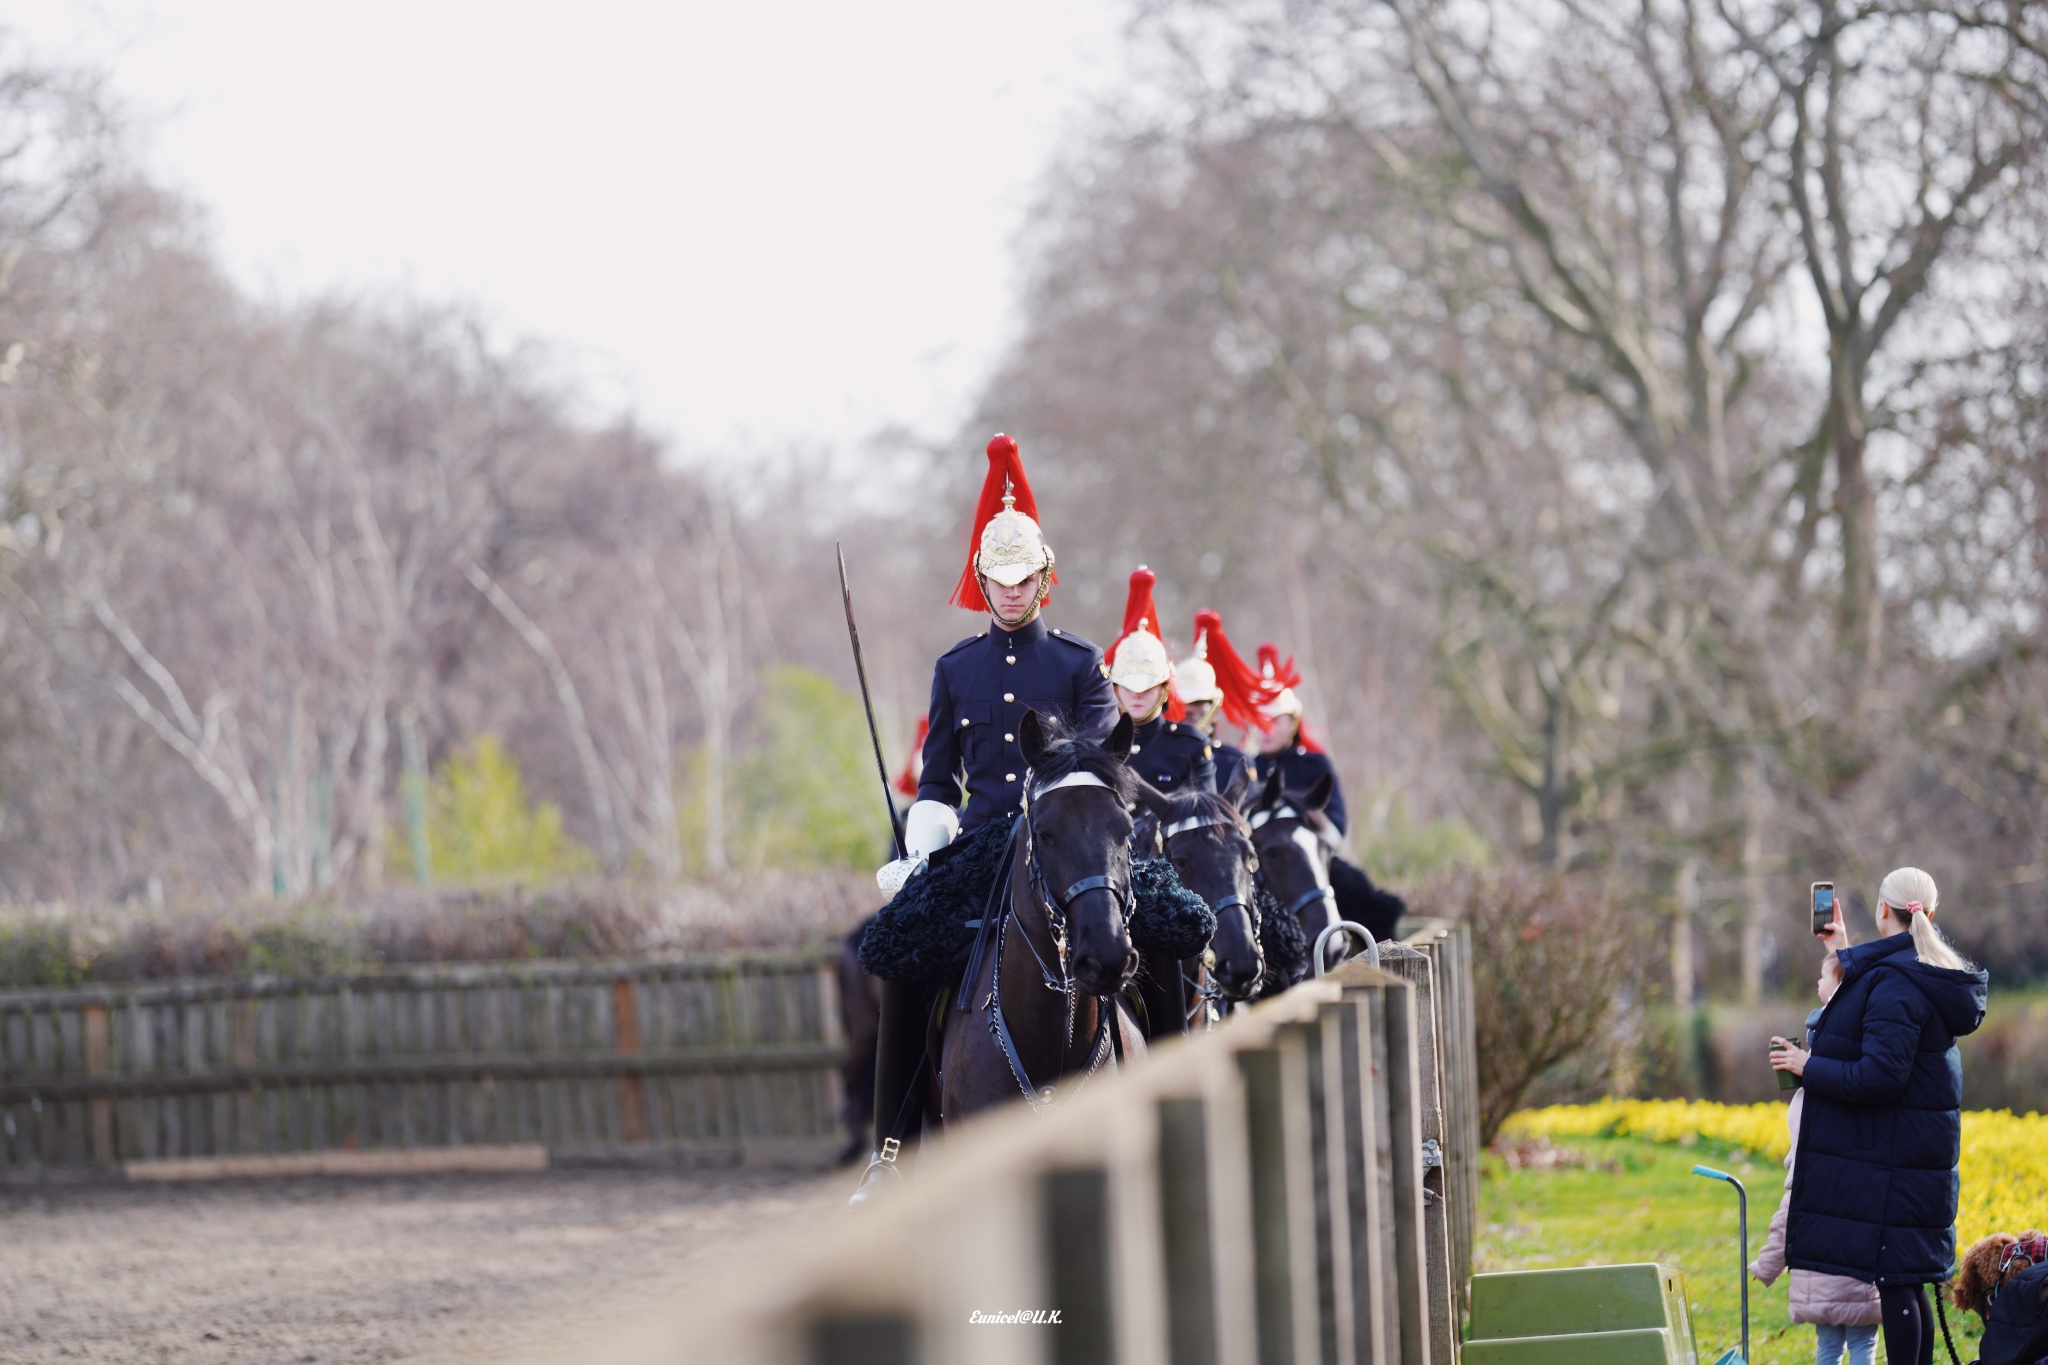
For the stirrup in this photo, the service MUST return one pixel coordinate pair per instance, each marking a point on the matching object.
(882, 1173)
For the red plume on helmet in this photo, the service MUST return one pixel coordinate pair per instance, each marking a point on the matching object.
(1142, 613)
(1005, 468)
(1275, 671)
(1278, 673)
(906, 781)
(1244, 692)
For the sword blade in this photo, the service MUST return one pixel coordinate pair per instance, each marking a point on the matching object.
(867, 703)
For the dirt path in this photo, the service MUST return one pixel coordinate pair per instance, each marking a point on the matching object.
(335, 1270)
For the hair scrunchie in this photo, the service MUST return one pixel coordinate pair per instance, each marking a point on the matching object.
(1915, 908)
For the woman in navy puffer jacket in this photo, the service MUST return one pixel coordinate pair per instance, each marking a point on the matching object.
(1874, 1180)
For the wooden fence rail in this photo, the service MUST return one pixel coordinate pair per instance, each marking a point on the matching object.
(1295, 1187)
(716, 1061)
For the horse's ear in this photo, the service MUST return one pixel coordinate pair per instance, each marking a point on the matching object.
(1122, 737)
(1319, 795)
(1269, 791)
(1031, 738)
(1240, 782)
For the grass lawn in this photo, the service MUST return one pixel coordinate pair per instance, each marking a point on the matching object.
(1626, 1200)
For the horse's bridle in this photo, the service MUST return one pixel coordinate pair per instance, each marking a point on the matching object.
(1054, 907)
(1233, 901)
(1205, 989)
(1283, 811)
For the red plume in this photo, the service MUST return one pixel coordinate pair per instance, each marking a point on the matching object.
(1244, 692)
(906, 781)
(1140, 608)
(1281, 673)
(1276, 672)
(1004, 465)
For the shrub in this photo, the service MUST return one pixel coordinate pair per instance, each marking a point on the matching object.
(1551, 954)
(808, 792)
(481, 825)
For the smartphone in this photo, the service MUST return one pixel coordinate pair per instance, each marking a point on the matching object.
(1824, 910)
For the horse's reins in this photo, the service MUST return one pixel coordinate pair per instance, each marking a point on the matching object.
(1055, 910)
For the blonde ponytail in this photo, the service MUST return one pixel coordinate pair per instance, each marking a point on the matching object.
(1913, 896)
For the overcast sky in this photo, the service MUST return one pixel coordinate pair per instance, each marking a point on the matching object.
(755, 222)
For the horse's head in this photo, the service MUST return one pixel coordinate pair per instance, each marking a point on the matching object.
(1210, 847)
(1295, 842)
(1080, 841)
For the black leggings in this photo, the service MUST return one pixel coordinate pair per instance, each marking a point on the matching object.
(1908, 1324)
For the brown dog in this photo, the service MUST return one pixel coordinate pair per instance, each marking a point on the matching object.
(1979, 1278)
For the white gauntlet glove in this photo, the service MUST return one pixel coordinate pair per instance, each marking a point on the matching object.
(929, 827)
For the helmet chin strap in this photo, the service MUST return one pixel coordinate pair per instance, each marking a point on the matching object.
(1157, 707)
(1044, 587)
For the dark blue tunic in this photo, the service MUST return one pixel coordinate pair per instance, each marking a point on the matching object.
(980, 691)
(1300, 767)
(1172, 754)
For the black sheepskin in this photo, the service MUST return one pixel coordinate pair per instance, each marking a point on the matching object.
(1285, 945)
(1379, 910)
(922, 933)
(1167, 918)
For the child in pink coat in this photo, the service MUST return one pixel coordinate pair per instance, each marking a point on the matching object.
(1845, 1312)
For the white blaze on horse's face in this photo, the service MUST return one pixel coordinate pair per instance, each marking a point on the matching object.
(1311, 846)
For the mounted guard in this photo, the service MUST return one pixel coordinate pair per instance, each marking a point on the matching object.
(1284, 742)
(1022, 722)
(1303, 781)
(1167, 751)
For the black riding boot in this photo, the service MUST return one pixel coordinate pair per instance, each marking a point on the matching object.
(900, 1043)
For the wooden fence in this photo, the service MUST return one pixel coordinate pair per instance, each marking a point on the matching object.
(697, 1061)
(1295, 1187)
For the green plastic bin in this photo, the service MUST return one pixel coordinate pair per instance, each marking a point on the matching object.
(1594, 1315)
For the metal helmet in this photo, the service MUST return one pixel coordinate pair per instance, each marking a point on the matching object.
(1195, 677)
(1006, 543)
(1138, 660)
(1012, 547)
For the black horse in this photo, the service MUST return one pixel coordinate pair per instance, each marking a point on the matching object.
(1209, 844)
(1298, 866)
(1043, 1003)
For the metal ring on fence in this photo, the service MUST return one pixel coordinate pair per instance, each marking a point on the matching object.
(1355, 930)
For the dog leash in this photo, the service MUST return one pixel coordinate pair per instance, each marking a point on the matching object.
(1941, 1312)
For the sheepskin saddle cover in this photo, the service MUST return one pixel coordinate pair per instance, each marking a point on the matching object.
(923, 934)
(1284, 943)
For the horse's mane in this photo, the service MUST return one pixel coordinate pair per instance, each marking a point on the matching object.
(1325, 829)
(1067, 753)
(1193, 803)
